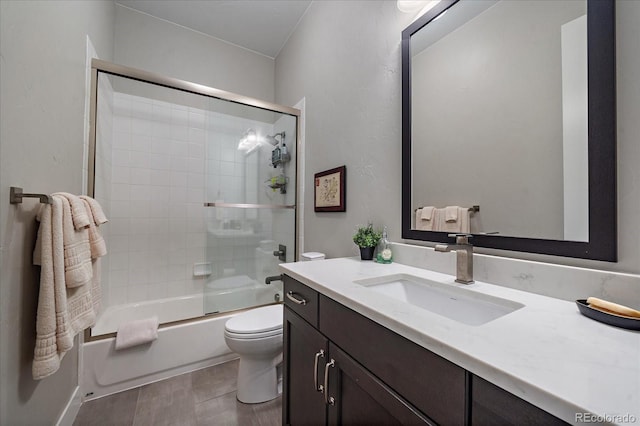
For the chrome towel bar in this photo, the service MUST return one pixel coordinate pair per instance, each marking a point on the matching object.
(16, 195)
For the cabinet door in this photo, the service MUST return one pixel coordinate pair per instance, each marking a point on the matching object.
(493, 406)
(356, 397)
(432, 384)
(304, 350)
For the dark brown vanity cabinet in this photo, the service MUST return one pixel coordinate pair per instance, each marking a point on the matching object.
(343, 368)
(495, 406)
(323, 382)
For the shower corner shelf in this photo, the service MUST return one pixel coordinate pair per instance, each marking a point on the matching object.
(278, 182)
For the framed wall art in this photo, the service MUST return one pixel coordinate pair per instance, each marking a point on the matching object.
(329, 190)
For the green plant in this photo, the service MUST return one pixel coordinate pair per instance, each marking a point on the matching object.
(366, 236)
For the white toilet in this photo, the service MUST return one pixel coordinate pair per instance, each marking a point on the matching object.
(256, 335)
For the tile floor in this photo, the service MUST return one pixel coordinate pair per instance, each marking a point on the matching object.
(203, 397)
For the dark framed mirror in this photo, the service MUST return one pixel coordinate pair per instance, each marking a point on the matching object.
(535, 149)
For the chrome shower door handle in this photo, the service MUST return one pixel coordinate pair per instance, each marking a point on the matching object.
(315, 372)
(329, 400)
(290, 296)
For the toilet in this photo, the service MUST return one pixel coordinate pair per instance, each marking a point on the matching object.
(256, 336)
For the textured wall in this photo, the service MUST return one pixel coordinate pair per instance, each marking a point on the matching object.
(42, 81)
(628, 69)
(151, 44)
(344, 58)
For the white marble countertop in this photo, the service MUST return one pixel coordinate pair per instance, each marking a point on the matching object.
(546, 353)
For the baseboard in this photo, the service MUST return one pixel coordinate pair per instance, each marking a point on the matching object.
(68, 415)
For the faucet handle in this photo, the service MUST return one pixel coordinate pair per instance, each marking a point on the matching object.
(461, 238)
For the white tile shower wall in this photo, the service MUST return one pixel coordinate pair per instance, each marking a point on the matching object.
(157, 226)
(234, 177)
(162, 156)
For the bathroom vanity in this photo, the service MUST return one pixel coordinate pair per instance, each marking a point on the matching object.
(353, 354)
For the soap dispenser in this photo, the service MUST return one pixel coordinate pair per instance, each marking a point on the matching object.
(384, 249)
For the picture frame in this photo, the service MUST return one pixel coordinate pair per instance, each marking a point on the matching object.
(329, 190)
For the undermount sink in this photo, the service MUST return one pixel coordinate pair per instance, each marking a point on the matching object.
(456, 303)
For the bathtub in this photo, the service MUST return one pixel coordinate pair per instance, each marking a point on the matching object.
(180, 348)
(221, 295)
(167, 310)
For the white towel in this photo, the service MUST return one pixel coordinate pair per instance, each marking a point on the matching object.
(99, 217)
(97, 245)
(51, 331)
(451, 213)
(137, 333)
(98, 249)
(427, 213)
(79, 213)
(425, 218)
(77, 250)
(461, 225)
(63, 311)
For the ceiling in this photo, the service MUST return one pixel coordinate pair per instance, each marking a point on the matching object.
(262, 26)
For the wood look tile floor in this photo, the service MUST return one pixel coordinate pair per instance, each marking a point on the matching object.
(203, 397)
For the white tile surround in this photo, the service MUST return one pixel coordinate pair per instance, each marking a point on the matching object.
(166, 160)
(558, 281)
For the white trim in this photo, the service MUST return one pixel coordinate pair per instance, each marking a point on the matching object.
(70, 412)
(301, 177)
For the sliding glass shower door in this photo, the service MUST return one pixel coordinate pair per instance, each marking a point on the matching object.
(251, 193)
(200, 189)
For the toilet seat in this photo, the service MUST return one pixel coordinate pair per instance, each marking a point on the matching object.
(248, 336)
(256, 323)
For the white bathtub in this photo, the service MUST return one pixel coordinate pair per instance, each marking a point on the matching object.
(222, 295)
(179, 348)
(167, 310)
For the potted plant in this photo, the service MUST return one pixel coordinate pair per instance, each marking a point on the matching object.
(367, 239)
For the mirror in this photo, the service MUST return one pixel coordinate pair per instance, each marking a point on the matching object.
(510, 106)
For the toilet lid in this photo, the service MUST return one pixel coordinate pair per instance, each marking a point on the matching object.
(258, 320)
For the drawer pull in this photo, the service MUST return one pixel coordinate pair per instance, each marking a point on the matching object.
(290, 296)
(315, 371)
(329, 400)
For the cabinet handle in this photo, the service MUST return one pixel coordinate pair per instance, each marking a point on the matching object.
(329, 400)
(315, 372)
(290, 296)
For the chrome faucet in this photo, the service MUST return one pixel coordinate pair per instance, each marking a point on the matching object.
(464, 256)
(268, 280)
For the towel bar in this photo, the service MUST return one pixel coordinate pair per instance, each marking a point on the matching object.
(472, 209)
(16, 195)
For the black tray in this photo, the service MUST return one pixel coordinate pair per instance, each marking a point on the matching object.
(607, 318)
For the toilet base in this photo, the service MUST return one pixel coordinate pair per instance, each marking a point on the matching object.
(257, 380)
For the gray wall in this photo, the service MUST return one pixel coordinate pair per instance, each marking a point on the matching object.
(152, 44)
(42, 81)
(344, 58)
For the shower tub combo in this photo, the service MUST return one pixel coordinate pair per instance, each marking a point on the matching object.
(198, 208)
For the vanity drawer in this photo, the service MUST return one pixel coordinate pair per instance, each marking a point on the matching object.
(432, 384)
(301, 299)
